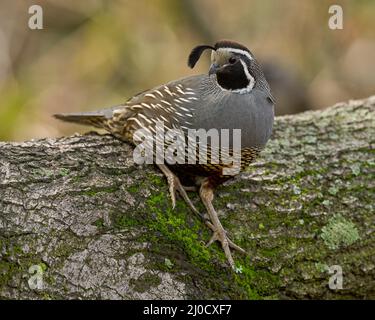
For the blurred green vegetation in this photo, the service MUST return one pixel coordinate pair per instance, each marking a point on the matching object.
(97, 53)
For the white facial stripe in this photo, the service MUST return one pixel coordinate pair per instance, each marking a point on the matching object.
(239, 51)
(251, 79)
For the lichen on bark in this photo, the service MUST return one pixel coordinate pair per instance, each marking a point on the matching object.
(102, 227)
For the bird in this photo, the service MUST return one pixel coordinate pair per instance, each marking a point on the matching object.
(233, 95)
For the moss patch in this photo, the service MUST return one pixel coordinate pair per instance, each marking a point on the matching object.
(94, 191)
(172, 224)
(339, 232)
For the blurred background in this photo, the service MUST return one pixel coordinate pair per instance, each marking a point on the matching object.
(97, 53)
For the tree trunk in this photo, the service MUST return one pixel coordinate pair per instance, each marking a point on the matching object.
(78, 219)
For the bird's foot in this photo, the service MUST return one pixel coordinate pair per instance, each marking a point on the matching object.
(221, 236)
(175, 185)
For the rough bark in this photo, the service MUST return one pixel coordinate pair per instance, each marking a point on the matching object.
(98, 226)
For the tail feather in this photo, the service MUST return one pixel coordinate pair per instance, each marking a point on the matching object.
(91, 118)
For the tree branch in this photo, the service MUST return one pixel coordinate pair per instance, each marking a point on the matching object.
(98, 226)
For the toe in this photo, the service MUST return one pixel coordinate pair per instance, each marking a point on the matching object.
(172, 193)
(236, 247)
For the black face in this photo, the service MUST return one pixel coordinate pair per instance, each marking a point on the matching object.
(234, 65)
(232, 76)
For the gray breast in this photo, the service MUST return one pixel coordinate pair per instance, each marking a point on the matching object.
(252, 113)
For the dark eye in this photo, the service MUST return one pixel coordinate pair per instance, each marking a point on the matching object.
(232, 60)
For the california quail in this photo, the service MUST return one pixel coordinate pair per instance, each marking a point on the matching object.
(234, 95)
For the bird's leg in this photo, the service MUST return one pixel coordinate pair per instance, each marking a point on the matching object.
(175, 185)
(206, 193)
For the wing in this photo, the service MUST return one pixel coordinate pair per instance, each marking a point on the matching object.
(172, 105)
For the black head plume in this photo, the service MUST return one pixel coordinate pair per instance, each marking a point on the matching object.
(196, 53)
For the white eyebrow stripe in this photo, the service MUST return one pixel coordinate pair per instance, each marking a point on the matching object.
(240, 51)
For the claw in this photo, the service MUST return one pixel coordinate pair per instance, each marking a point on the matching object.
(226, 243)
(224, 239)
(175, 185)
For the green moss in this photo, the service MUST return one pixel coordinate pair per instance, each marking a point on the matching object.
(64, 172)
(156, 180)
(256, 283)
(244, 281)
(168, 263)
(248, 283)
(269, 252)
(133, 189)
(7, 271)
(339, 232)
(333, 190)
(43, 266)
(99, 223)
(122, 220)
(15, 263)
(321, 267)
(356, 168)
(46, 296)
(172, 225)
(76, 178)
(92, 192)
(170, 229)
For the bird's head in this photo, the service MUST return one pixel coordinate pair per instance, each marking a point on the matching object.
(233, 64)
